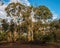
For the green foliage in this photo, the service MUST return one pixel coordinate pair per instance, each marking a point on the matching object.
(3, 36)
(14, 11)
(23, 37)
(55, 27)
(38, 36)
(30, 27)
(5, 25)
(42, 12)
(58, 34)
(12, 25)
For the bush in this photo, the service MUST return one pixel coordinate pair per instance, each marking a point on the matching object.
(3, 36)
(47, 38)
(23, 37)
(39, 37)
(57, 32)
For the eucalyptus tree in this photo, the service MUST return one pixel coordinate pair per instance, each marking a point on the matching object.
(27, 18)
(14, 10)
(22, 12)
(41, 14)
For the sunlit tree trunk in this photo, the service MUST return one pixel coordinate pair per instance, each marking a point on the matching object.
(29, 34)
(31, 28)
(9, 36)
(32, 34)
(15, 35)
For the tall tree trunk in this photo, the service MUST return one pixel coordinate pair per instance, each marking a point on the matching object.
(32, 31)
(15, 34)
(9, 36)
(29, 34)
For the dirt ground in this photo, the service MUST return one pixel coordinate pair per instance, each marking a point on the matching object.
(18, 45)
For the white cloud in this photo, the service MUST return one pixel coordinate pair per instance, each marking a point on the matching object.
(2, 7)
(2, 11)
(55, 15)
(2, 14)
(24, 2)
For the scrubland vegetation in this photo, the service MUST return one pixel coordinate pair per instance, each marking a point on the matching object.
(29, 24)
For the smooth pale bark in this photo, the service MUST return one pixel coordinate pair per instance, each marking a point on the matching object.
(15, 35)
(29, 34)
(32, 36)
(32, 32)
(9, 36)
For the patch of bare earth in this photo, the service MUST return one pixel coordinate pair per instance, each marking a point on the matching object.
(19, 45)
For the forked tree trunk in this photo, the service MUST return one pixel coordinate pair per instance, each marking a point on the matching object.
(9, 36)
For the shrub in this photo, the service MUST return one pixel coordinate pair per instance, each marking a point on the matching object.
(40, 37)
(3, 36)
(23, 37)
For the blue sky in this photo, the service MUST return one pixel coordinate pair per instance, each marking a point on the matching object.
(53, 5)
